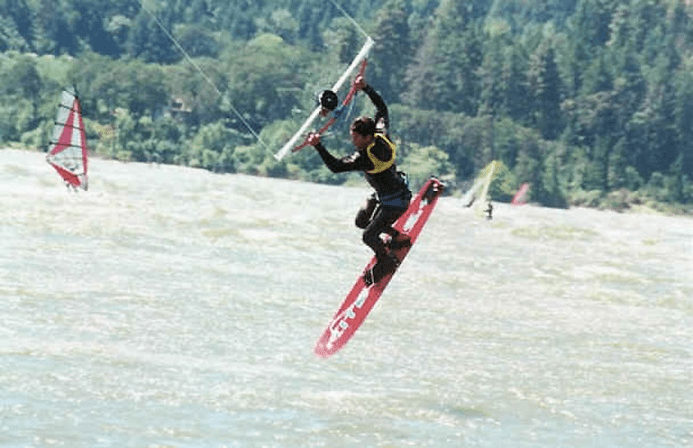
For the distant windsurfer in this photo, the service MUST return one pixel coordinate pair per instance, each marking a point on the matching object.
(375, 155)
(489, 211)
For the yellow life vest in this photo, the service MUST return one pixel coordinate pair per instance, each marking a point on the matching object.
(381, 165)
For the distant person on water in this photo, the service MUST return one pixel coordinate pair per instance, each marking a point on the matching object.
(375, 155)
(489, 211)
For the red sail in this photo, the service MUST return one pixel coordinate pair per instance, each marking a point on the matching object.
(519, 198)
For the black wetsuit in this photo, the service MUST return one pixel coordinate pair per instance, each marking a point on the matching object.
(392, 194)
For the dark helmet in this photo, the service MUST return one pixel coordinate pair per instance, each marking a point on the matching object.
(328, 100)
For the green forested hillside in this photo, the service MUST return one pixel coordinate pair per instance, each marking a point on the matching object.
(590, 101)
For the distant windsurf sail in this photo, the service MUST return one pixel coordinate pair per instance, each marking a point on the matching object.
(479, 191)
(470, 196)
(520, 197)
(68, 151)
(487, 176)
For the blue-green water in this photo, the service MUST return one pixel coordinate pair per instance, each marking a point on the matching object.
(171, 307)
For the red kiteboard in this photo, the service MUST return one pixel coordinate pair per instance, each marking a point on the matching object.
(362, 297)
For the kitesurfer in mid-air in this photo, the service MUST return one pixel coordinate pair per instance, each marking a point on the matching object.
(375, 155)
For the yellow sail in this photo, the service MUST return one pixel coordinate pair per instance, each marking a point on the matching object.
(482, 202)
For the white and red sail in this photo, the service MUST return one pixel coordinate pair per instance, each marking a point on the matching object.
(68, 152)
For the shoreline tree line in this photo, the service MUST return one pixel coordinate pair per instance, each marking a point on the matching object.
(589, 101)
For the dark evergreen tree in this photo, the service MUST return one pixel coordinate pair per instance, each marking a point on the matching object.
(53, 32)
(444, 74)
(545, 87)
(149, 42)
(393, 51)
(491, 80)
(19, 12)
(10, 39)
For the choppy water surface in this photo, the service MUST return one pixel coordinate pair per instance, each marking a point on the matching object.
(172, 307)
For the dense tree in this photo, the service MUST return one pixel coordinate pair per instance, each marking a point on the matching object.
(684, 118)
(20, 87)
(197, 41)
(392, 54)
(51, 25)
(261, 75)
(10, 39)
(17, 17)
(444, 75)
(492, 95)
(584, 99)
(546, 87)
(541, 11)
(514, 84)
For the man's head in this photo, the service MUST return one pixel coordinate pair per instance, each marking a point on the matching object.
(364, 126)
(362, 132)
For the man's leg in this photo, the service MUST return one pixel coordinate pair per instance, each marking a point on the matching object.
(382, 222)
(365, 214)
